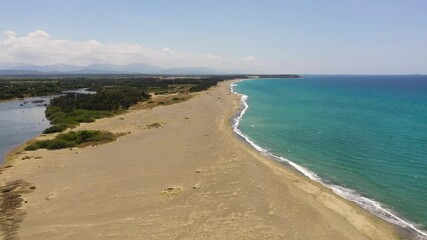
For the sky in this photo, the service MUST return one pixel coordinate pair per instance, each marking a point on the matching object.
(264, 36)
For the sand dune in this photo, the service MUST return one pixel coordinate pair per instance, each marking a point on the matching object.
(189, 177)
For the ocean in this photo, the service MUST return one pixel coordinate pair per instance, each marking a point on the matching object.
(365, 137)
(20, 121)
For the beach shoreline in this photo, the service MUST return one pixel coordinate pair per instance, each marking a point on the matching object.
(405, 227)
(198, 176)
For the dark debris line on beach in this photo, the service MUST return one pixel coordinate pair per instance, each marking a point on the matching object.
(11, 214)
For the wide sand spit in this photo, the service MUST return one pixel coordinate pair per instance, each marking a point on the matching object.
(179, 173)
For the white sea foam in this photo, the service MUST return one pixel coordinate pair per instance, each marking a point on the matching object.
(372, 206)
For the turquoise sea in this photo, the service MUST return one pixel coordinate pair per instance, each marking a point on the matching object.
(363, 136)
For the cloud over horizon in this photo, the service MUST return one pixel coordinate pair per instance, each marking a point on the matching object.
(40, 48)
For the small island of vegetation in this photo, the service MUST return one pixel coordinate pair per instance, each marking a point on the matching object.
(73, 139)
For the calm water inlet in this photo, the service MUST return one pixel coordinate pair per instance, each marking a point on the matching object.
(20, 121)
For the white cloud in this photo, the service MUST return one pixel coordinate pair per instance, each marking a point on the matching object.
(10, 33)
(167, 50)
(38, 34)
(250, 58)
(213, 57)
(40, 48)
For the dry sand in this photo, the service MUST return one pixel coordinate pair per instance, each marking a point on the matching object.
(190, 178)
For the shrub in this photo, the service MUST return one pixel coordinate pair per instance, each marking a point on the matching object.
(58, 144)
(54, 129)
(64, 120)
(73, 139)
(31, 147)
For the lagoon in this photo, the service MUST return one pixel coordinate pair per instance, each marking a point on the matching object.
(20, 121)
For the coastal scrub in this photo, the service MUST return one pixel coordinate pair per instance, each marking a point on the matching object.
(73, 139)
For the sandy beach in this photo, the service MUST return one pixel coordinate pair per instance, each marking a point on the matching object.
(180, 172)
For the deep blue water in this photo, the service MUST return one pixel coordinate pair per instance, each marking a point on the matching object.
(366, 133)
(20, 121)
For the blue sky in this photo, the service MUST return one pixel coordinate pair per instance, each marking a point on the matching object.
(362, 37)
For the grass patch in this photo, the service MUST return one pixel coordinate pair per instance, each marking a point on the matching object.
(73, 139)
(154, 125)
(63, 120)
(55, 128)
(172, 191)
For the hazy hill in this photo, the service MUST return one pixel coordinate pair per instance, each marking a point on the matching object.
(98, 68)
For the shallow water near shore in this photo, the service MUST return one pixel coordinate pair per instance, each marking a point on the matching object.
(20, 121)
(363, 136)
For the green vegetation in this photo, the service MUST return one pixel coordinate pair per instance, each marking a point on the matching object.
(54, 129)
(72, 109)
(62, 120)
(73, 139)
(205, 84)
(31, 86)
(107, 99)
(20, 87)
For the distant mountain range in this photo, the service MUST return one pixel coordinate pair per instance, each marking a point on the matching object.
(133, 68)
